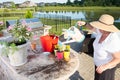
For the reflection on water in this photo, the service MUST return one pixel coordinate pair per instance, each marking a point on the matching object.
(89, 15)
(73, 15)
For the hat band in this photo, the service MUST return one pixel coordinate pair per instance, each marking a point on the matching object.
(105, 23)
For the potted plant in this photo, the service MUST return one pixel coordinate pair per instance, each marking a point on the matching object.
(67, 53)
(17, 48)
(59, 52)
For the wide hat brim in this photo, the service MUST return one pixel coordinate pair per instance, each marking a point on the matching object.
(105, 27)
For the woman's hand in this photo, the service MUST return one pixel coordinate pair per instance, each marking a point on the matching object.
(101, 68)
(112, 64)
(81, 23)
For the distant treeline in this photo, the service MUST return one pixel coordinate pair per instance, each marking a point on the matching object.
(93, 3)
(74, 3)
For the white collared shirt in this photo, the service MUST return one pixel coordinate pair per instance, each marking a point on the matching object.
(103, 51)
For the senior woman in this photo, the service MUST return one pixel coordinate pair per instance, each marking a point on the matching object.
(106, 46)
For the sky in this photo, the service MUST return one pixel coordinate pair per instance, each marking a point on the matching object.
(37, 1)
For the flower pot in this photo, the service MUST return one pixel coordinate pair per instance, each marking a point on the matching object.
(33, 46)
(19, 57)
(48, 42)
(1, 34)
(66, 55)
(59, 55)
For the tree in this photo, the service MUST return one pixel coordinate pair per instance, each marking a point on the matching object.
(68, 2)
(28, 14)
(76, 2)
(101, 2)
(13, 5)
(116, 2)
(89, 3)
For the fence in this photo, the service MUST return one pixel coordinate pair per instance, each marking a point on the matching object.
(58, 22)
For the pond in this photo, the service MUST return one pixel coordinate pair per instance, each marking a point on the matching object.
(88, 15)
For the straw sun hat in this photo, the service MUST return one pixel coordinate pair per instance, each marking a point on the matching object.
(105, 23)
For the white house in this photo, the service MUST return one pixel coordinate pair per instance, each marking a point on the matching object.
(28, 4)
(1, 5)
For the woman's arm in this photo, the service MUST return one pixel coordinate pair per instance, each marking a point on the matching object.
(113, 63)
(115, 60)
(87, 25)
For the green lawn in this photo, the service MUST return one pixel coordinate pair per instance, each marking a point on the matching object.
(68, 8)
(59, 8)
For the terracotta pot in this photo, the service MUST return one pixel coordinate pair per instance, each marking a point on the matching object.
(33, 46)
(1, 34)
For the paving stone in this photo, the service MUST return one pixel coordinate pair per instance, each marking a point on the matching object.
(86, 68)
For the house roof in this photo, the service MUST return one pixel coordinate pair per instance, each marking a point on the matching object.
(28, 4)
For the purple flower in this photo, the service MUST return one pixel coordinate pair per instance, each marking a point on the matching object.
(24, 22)
(20, 31)
(29, 29)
